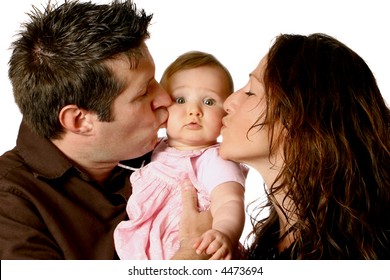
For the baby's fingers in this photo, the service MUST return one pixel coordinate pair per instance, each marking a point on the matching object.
(197, 242)
(202, 245)
(218, 255)
(218, 251)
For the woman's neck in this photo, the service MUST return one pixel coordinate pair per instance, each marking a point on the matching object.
(287, 220)
(284, 207)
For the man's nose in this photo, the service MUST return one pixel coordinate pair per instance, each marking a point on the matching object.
(162, 98)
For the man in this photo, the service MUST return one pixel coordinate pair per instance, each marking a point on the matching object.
(83, 79)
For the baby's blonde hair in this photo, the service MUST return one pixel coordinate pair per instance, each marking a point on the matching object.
(194, 59)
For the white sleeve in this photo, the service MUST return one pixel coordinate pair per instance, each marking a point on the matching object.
(212, 170)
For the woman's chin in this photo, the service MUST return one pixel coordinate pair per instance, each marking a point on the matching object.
(223, 153)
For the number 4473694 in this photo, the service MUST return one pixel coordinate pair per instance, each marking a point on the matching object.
(241, 270)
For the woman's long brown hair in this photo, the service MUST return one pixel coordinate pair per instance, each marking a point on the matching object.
(336, 144)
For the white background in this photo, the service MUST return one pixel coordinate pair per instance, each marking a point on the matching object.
(237, 32)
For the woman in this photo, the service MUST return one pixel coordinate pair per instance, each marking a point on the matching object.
(313, 123)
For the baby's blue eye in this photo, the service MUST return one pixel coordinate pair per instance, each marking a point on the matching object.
(209, 101)
(180, 100)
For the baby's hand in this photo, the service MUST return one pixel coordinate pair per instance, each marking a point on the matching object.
(215, 243)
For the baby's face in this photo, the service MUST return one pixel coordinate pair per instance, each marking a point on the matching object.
(195, 116)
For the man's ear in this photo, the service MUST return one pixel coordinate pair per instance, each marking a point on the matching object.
(74, 119)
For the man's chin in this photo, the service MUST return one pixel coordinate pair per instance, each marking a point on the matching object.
(150, 147)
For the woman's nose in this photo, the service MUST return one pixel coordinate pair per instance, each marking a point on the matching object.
(227, 105)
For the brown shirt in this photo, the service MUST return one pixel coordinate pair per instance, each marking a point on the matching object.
(49, 209)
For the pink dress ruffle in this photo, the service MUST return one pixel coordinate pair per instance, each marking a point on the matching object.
(155, 206)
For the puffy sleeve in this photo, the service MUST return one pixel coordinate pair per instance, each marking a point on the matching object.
(212, 170)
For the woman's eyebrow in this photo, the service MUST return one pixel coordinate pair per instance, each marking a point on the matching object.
(254, 76)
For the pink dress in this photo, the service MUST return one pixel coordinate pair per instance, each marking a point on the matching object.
(155, 205)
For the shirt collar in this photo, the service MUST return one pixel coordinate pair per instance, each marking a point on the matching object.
(48, 161)
(40, 154)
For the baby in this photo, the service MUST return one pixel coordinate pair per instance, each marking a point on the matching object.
(198, 84)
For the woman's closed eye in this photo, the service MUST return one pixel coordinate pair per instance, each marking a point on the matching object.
(249, 93)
